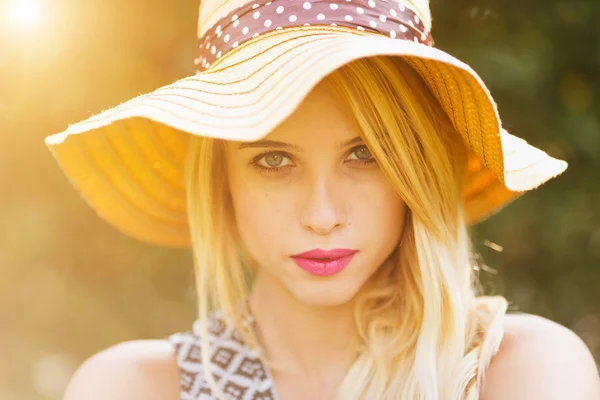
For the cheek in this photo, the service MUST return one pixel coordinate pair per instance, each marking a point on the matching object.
(379, 213)
(260, 216)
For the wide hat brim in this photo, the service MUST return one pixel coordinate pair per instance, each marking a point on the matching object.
(128, 161)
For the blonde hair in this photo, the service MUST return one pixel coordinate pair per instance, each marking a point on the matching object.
(422, 332)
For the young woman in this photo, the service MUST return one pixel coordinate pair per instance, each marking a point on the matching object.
(327, 205)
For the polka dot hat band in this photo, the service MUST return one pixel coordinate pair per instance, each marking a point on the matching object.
(253, 19)
(257, 62)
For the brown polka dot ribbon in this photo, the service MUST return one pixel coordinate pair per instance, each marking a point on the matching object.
(387, 17)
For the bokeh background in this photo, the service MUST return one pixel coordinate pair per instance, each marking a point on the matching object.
(71, 285)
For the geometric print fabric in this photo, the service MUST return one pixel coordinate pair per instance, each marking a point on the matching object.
(238, 370)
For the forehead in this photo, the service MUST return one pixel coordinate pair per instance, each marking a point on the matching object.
(321, 116)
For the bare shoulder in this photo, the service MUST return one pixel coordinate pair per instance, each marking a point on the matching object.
(540, 359)
(141, 369)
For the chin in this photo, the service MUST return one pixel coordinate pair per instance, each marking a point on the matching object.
(324, 293)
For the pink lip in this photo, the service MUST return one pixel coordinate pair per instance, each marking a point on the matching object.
(324, 262)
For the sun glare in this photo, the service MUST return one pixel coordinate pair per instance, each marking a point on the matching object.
(24, 14)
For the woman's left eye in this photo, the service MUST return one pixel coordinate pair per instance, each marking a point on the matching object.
(361, 153)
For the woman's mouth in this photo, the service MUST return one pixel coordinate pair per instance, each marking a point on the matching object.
(321, 262)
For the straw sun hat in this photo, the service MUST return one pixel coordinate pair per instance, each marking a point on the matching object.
(257, 61)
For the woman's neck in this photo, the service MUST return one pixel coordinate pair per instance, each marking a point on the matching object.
(299, 338)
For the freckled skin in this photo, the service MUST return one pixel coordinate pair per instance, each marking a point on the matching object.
(322, 196)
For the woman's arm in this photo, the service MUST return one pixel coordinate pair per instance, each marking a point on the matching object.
(540, 359)
(144, 370)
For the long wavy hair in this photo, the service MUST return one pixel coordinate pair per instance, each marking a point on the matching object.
(422, 331)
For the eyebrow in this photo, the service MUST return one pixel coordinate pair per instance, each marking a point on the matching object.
(273, 144)
(270, 144)
(350, 142)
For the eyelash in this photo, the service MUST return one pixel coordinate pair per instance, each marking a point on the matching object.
(279, 170)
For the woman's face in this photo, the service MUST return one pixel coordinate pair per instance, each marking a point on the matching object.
(312, 184)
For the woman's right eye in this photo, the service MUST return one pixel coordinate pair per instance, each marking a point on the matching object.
(273, 162)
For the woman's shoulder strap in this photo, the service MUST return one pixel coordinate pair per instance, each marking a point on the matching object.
(236, 367)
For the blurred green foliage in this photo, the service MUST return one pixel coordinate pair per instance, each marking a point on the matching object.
(72, 285)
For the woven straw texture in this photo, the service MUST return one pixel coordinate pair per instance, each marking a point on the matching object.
(127, 161)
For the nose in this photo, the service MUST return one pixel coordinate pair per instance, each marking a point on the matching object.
(323, 211)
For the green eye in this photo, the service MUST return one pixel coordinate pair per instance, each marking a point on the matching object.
(360, 153)
(361, 157)
(274, 160)
(363, 153)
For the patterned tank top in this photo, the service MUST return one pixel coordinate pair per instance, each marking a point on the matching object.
(237, 368)
(240, 373)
